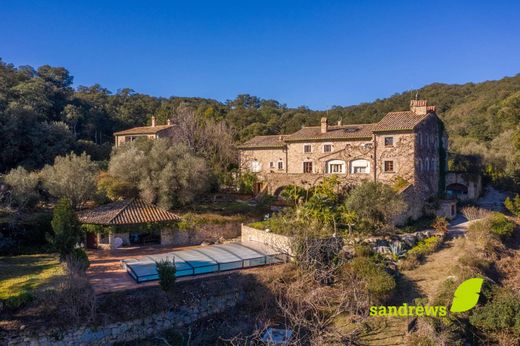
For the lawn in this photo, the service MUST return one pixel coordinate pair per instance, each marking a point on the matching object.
(22, 275)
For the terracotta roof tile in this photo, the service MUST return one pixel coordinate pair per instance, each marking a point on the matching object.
(393, 121)
(132, 211)
(355, 131)
(398, 121)
(144, 130)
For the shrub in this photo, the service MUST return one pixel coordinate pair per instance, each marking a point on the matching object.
(425, 247)
(166, 270)
(474, 213)
(513, 205)
(77, 261)
(440, 225)
(363, 250)
(66, 227)
(379, 283)
(500, 315)
(376, 204)
(500, 225)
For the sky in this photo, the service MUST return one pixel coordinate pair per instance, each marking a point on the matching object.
(312, 53)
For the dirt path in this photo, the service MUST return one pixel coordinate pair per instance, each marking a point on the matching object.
(427, 277)
(421, 282)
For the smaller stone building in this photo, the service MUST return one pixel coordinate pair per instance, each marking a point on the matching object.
(120, 217)
(463, 186)
(150, 132)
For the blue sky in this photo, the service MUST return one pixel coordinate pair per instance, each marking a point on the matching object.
(312, 53)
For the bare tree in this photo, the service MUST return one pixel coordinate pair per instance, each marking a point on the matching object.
(207, 137)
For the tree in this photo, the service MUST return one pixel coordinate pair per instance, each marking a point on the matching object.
(24, 186)
(166, 270)
(72, 176)
(66, 227)
(376, 204)
(164, 173)
(293, 193)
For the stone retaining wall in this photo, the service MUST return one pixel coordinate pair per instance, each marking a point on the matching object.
(276, 241)
(205, 233)
(131, 330)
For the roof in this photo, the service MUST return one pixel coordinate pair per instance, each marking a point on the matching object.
(399, 121)
(273, 141)
(393, 121)
(354, 131)
(144, 130)
(127, 212)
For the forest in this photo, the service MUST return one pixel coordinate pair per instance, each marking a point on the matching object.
(43, 116)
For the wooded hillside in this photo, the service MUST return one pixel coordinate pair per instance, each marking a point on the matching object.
(42, 116)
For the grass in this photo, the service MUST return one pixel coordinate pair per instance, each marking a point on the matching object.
(20, 276)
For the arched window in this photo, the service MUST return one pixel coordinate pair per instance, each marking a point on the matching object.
(419, 165)
(359, 166)
(335, 166)
(426, 164)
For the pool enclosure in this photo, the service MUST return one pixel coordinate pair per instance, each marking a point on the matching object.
(205, 260)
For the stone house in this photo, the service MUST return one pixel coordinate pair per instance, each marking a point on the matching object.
(151, 132)
(405, 148)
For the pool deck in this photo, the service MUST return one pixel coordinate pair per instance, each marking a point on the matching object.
(106, 274)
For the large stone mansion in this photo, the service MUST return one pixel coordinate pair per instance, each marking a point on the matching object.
(405, 148)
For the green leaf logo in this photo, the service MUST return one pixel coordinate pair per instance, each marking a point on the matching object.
(466, 295)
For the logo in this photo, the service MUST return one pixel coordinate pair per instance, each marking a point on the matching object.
(466, 295)
(465, 298)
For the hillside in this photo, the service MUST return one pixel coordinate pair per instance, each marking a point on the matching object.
(42, 116)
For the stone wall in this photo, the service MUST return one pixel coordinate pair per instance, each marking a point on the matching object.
(206, 233)
(276, 241)
(472, 181)
(134, 329)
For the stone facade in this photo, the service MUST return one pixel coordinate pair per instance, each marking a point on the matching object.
(130, 330)
(464, 186)
(404, 147)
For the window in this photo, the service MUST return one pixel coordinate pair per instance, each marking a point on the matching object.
(335, 166)
(307, 167)
(307, 148)
(271, 165)
(389, 166)
(419, 139)
(280, 165)
(256, 166)
(359, 166)
(389, 141)
(426, 164)
(130, 138)
(419, 165)
(327, 148)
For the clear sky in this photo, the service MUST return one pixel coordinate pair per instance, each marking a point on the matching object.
(313, 53)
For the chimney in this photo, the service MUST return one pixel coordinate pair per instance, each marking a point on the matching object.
(324, 125)
(153, 121)
(419, 107)
(168, 122)
(339, 122)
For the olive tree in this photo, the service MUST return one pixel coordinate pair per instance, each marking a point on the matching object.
(166, 173)
(23, 186)
(375, 204)
(71, 176)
